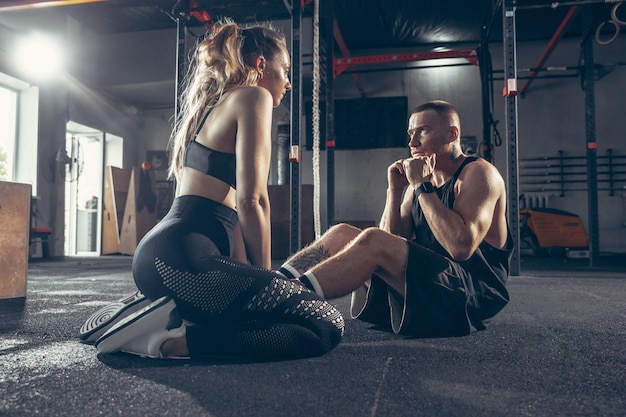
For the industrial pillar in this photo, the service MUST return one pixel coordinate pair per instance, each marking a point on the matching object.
(180, 55)
(326, 22)
(510, 97)
(296, 129)
(590, 132)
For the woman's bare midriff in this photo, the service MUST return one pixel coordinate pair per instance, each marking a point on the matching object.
(196, 183)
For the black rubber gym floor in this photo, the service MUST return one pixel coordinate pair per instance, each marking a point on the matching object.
(558, 349)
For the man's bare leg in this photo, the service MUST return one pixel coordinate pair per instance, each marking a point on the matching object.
(373, 251)
(329, 244)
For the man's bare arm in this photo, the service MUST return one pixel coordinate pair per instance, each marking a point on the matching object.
(396, 215)
(462, 229)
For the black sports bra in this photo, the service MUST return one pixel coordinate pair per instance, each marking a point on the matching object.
(217, 164)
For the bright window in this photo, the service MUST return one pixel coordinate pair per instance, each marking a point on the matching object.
(8, 122)
(19, 115)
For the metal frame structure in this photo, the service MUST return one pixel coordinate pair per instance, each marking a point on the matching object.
(509, 8)
(510, 94)
(341, 64)
(328, 27)
(296, 106)
(332, 67)
(592, 145)
(571, 14)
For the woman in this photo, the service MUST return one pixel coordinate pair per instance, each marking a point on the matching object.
(207, 263)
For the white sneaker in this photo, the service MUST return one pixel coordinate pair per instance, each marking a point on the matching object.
(143, 332)
(103, 319)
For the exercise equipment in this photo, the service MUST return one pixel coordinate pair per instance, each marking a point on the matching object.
(545, 231)
(129, 209)
(15, 201)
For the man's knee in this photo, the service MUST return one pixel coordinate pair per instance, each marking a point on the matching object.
(342, 232)
(343, 229)
(378, 241)
(373, 236)
(387, 252)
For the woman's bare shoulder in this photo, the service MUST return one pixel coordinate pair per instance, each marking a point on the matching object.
(249, 95)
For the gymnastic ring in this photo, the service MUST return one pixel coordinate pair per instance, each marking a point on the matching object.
(599, 29)
(614, 17)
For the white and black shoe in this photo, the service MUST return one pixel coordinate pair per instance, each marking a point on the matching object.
(143, 332)
(102, 320)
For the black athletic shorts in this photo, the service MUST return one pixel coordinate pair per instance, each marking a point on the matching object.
(439, 301)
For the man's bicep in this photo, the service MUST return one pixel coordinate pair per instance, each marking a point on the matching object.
(476, 201)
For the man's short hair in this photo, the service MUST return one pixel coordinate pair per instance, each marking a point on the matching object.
(442, 108)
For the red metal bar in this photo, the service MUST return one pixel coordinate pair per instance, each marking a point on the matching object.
(346, 53)
(341, 64)
(571, 13)
(201, 15)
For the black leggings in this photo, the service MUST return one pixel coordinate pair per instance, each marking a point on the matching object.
(237, 309)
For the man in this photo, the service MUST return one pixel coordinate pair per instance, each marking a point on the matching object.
(438, 264)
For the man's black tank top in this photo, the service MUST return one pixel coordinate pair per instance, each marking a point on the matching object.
(217, 164)
(487, 260)
(487, 268)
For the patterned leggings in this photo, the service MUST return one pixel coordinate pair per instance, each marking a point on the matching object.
(237, 309)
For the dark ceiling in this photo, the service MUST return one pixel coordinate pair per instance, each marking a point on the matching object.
(363, 24)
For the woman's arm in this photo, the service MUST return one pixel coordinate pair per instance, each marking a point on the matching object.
(253, 148)
(239, 250)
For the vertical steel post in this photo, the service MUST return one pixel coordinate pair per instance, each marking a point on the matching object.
(180, 57)
(590, 131)
(485, 74)
(328, 36)
(510, 79)
(296, 106)
(484, 66)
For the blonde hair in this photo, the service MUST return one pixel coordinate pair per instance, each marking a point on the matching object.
(224, 59)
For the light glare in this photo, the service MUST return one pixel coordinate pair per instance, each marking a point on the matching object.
(40, 57)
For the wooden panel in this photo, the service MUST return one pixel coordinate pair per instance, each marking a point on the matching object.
(116, 183)
(140, 215)
(14, 238)
(110, 230)
(121, 183)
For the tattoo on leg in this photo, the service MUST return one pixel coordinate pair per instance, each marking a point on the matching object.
(309, 258)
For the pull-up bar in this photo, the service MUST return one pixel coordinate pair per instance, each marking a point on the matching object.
(341, 64)
(556, 4)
